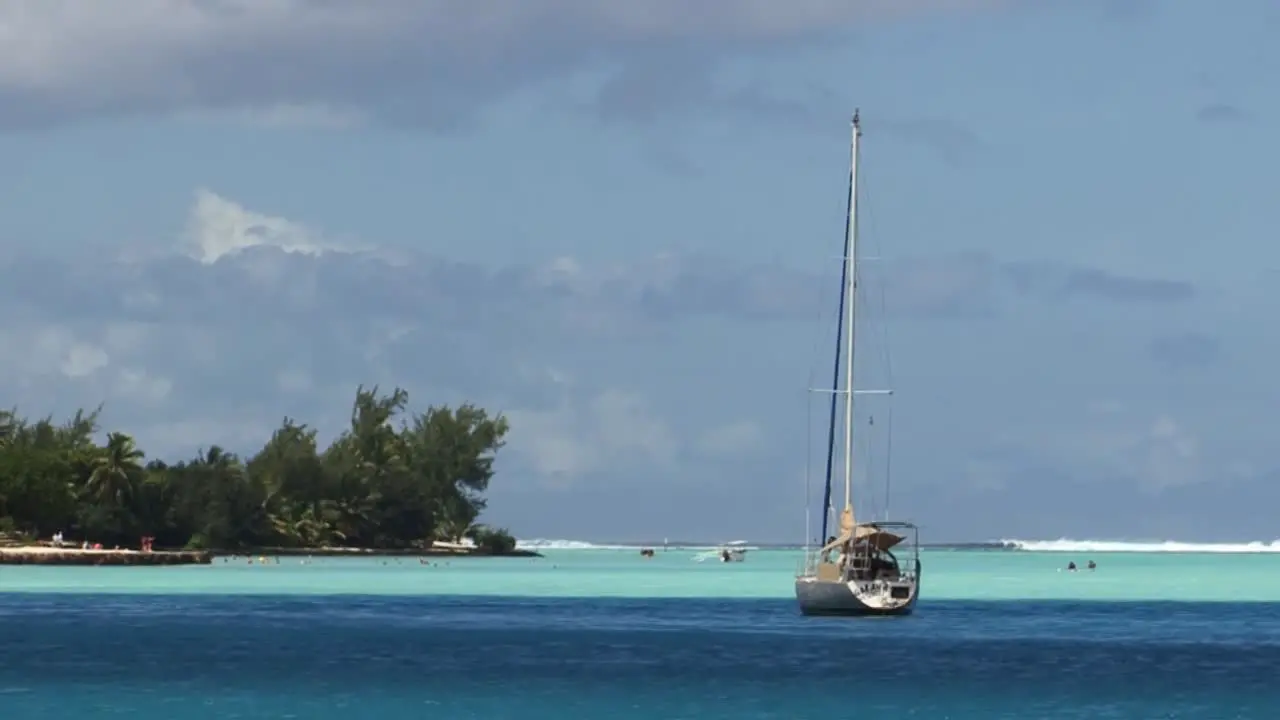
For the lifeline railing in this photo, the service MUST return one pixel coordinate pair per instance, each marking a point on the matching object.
(808, 566)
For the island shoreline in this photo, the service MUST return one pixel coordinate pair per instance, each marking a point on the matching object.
(120, 557)
(448, 551)
(93, 557)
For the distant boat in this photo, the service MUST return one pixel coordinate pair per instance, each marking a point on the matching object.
(856, 571)
(735, 551)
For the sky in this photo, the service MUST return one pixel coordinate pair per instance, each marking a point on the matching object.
(619, 224)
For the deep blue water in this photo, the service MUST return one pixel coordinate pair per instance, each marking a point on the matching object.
(192, 657)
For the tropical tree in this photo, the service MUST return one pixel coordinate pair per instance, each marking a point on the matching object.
(115, 471)
(391, 479)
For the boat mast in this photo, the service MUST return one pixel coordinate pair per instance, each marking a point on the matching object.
(851, 291)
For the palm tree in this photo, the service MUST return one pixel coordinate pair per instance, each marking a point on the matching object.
(153, 496)
(116, 471)
(308, 525)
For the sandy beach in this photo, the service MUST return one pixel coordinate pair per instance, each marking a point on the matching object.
(437, 549)
(49, 555)
(72, 555)
(39, 549)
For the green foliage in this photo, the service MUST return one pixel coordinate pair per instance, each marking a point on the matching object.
(492, 541)
(388, 481)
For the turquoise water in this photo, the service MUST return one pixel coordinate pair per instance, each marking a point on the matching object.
(948, 575)
(605, 634)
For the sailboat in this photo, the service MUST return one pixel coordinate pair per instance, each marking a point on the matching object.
(866, 568)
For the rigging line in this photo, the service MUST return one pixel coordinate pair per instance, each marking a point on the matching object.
(822, 292)
(887, 356)
(874, 457)
(808, 469)
(888, 463)
(872, 290)
(882, 293)
(835, 372)
(888, 371)
(870, 464)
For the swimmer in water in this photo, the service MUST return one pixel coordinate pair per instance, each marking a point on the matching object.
(1071, 566)
(1093, 565)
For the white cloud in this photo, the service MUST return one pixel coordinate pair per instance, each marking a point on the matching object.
(27, 350)
(218, 227)
(187, 436)
(220, 336)
(624, 421)
(1155, 451)
(611, 429)
(284, 115)
(140, 386)
(83, 359)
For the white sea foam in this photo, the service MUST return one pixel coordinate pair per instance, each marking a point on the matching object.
(545, 544)
(1116, 546)
(552, 544)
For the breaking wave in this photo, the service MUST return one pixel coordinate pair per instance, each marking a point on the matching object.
(1061, 545)
(545, 544)
(1117, 546)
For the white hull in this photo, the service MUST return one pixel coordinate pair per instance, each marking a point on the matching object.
(857, 598)
(721, 555)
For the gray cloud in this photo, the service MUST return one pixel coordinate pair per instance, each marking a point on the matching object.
(1191, 350)
(1065, 282)
(1220, 113)
(186, 352)
(560, 297)
(978, 285)
(427, 63)
(260, 317)
(1052, 504)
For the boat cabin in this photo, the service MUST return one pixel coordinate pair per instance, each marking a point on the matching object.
(862, 554)
(868, 563)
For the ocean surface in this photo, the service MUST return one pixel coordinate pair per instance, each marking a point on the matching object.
(591, 633)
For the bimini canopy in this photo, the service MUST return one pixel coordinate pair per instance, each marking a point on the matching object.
(865, 535)
(875, 537)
